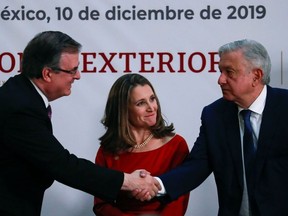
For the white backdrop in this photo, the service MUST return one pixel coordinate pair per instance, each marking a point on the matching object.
(195, 33)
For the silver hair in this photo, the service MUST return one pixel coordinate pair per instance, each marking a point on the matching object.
(253, 52)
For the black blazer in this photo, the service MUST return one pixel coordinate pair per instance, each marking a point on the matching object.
(31, 158)
(218, 150)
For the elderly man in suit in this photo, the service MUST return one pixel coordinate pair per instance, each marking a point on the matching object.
(249, 182)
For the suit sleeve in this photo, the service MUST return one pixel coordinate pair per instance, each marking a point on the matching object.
(192, 172)
(29, 136)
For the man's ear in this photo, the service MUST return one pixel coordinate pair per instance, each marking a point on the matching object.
(47, 74)
(258, 75)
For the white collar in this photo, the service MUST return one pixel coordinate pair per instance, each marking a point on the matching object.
(258, 105)
(45, 99)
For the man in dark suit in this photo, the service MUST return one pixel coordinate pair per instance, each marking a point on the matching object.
(31, 158)
(245, 73)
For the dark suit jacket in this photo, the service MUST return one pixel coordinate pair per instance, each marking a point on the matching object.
(218, 150)
(31, 158)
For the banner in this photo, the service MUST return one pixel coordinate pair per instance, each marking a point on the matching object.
(172, 43)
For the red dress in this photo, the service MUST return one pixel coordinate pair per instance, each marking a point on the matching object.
(157, 161)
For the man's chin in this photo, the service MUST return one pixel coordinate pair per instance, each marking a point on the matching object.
(68, 92)
(226, 97)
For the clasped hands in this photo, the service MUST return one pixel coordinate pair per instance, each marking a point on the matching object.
(141, 184)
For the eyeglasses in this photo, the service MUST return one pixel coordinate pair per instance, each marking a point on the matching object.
(72, 72)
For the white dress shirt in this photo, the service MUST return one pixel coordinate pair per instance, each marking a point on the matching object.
(257, 108)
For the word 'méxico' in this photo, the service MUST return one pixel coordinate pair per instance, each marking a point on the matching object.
(142, 62)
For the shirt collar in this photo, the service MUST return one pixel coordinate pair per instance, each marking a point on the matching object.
(45, 99)
(258, 105)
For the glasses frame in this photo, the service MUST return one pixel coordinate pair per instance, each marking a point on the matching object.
(72, 72)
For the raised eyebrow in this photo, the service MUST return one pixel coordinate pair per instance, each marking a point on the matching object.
(139, 102)
(136, 101)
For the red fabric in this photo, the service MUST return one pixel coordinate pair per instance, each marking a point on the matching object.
(157, 162)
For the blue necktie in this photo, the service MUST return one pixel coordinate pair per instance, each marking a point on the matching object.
(249, 151)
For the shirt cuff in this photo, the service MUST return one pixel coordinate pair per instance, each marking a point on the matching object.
(162, 192)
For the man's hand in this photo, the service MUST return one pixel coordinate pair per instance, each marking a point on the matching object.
(142, 184)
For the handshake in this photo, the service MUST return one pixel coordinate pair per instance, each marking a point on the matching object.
(142, 185)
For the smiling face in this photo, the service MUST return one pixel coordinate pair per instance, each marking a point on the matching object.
(142, 107)
(61, 82)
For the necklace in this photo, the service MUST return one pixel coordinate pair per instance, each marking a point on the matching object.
(141, 145)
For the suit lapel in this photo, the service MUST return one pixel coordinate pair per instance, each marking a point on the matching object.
(234, 142)
(268, 127)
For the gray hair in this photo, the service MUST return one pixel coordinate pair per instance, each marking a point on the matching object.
(253, 52)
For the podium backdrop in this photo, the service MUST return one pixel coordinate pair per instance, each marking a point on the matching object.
(173, 43)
